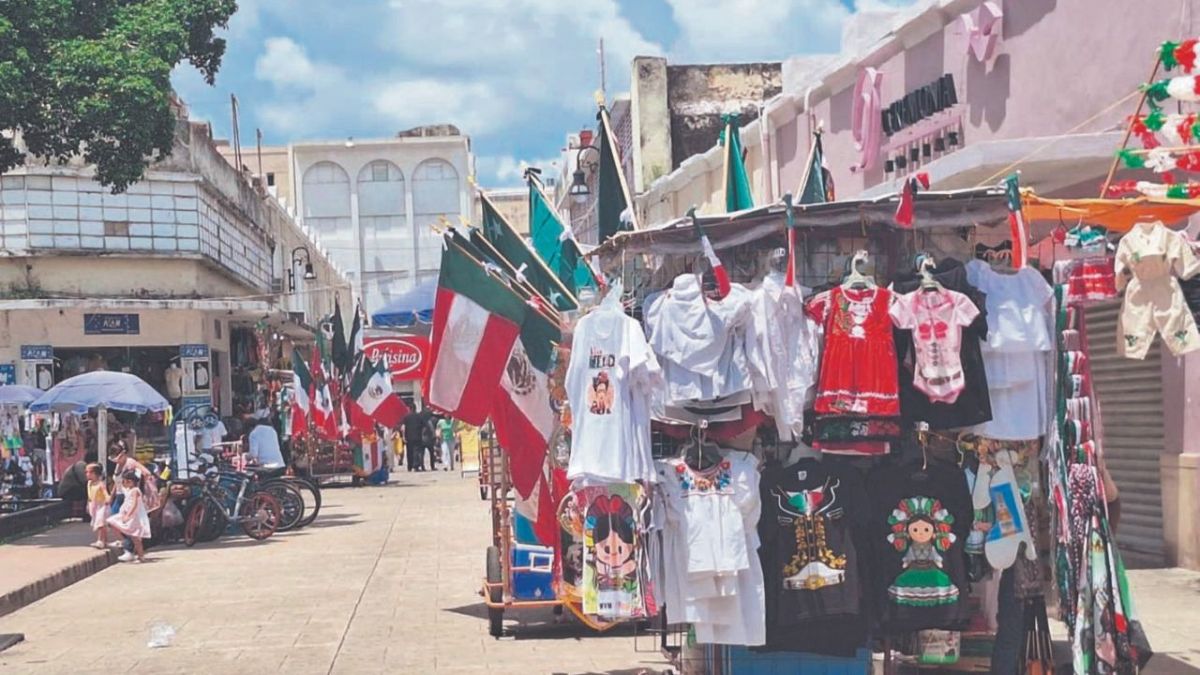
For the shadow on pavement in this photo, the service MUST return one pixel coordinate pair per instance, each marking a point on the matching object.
(542, 624)
(1166, 664)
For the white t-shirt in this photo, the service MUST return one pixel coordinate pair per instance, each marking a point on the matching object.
(264, 447)
(610, 379)
(213, 435)
(1018, 308)
(782, 346)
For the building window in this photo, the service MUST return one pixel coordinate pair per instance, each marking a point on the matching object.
(387, 241)
(326, 199)
(270, 179)
(437, 194)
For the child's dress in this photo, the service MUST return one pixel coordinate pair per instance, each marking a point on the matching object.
(98, 504)
(132, 520)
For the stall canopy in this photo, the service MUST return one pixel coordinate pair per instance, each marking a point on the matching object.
(19, 394)
(1118, 215)
(958, 208)
(112, 390)
(410, 308)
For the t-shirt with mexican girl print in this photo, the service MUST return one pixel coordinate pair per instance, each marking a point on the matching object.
(610, 378)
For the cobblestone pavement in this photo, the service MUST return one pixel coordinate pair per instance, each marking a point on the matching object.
(385, 581)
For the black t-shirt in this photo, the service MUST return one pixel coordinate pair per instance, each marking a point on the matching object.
(919, 524)
(973, 405)
(814, 555)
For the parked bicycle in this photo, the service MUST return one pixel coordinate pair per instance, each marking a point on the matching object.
(258, 512)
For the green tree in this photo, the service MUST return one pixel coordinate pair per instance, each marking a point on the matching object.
(94, 77)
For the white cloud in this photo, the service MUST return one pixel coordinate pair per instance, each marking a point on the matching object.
(755, 30)
(472, 106)
(507, 170)
(286, 64)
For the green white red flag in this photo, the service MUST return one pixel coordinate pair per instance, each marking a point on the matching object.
(372, 395)
(476, 321)
(322, 402)
(301, 401)
(522, 414)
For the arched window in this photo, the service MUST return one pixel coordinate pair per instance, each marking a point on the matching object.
(387, 239)
(326, 199)
(436, 193)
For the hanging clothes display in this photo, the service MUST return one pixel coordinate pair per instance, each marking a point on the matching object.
(935, 319)
(1151, 260)
(784, 348)
(815, 555)
(712, 577)
(614, 582)
(973, 405)
(1016, 354)
(920, 519)
(858, 394)
(610, 380)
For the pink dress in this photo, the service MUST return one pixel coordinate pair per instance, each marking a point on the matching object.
(936, 319)
(132, 520)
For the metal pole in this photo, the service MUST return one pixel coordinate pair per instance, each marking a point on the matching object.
(603, 72)
(102, 435)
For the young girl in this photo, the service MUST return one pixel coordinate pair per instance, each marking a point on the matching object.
(97, 495)
(132, 520)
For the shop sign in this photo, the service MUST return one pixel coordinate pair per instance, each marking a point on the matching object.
(193, 351)
(8, 373)
(404, 356)
(37, 353)
(111, 324)
(920, 104)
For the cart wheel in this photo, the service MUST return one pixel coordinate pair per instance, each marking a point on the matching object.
(495, 595)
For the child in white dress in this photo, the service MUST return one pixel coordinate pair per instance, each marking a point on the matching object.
(132, 520)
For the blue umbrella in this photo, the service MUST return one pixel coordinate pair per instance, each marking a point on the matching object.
(19, 394)
(409, 308)
(115, 391)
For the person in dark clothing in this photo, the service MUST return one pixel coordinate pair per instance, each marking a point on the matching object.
(429, 437)
(414, 449)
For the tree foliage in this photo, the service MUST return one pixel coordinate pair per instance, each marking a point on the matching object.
(93, 77)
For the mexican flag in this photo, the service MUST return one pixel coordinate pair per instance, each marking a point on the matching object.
(371, 393)
(322, 402)
(522, 414)
(509, 244)
(554, 243)
(738, 195)
(614, 205)
(476, 321)
(301, 403)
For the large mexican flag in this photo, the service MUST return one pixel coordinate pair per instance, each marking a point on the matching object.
(554, 244)
(476, 321)
(522, 414)
(509, 244)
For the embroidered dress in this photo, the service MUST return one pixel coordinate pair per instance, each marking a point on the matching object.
(132, 520)
(936, 319)
(1149, 260)
(858, 366)
(713, 578)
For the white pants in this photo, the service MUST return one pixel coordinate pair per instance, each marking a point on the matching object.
(448, 454)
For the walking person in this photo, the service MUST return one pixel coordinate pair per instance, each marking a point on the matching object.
(414, 449)
(132, 520)
(445, 428)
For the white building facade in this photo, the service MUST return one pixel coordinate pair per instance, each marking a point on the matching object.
(373, 205)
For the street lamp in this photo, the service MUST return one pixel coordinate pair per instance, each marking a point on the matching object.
(306, 259)
(579, 190)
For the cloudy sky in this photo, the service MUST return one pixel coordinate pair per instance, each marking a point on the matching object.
(517, 75)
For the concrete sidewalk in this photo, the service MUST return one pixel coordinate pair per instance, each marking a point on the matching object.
(40, 564)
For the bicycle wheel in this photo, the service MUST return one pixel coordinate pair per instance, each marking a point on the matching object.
(312, 499)
(261, 515)
(290, 501)
(194, 522)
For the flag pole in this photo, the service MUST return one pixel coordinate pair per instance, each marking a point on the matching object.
(534, 256)
(608, 135)
(549, 313)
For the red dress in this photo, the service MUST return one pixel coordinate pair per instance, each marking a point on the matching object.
(858, 363)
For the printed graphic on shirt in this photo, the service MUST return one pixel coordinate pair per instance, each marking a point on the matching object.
(612, 554)
(921, 530)
(600, 393)
(814, 565)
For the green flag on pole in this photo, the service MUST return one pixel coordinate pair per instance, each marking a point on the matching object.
(614, 205)
(737, 183)
(524, 261)
(817, 185)
(553, 245)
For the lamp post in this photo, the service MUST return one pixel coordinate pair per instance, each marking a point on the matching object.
(297, 259)
(579, 189)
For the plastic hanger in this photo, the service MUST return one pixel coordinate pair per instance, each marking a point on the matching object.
(856, 279)
(925, 267)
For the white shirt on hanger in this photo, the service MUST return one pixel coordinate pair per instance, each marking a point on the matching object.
(610, 380)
